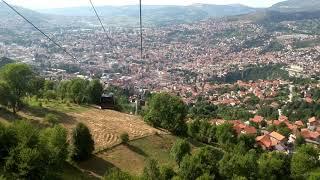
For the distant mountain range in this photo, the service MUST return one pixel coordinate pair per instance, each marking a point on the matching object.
(158, 15)
(8, 18)
(297, 6)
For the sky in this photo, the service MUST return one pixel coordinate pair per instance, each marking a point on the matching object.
(46, 4)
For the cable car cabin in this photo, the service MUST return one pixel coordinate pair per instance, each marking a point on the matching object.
(107, 101)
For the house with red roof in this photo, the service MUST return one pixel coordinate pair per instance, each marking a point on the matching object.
(257, 119)
(283, 118)
(300, 124)
(272, 141)
(313, 123)
(311, 135)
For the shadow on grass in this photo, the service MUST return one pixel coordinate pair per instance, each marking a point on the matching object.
(43, 111)
(9, 115)
(136, 150)
(96, 165)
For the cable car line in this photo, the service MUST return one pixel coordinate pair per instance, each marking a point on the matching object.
(141, 33)
(48, 37)
(104, 29)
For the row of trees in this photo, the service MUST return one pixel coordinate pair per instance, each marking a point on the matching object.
(27, 152)
(19, 80)
(239, 162)
(170, 112)
(77, 90)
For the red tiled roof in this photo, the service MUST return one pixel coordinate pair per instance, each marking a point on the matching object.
(264, 141)
(292, 127)
(307, 134)
(283, 118)
(277, 136)
(299, 123)
(257, 119)
(276, 122)
(250, 130)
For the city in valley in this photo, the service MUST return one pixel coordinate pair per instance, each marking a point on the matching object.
(224, 83)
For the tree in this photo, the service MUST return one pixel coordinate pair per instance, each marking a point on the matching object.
(82, 143)
(248, 141)
(225, 134)
(304, 160)
(55, 143)
(273, 165)
(167, 173)
(204, 161)
(18, 79)
(7, 140)
(77, 90)
(25, 160)
(205, 177)
(239, 164)
(5, 94)
(203, 110)
(167, 112)
(179, 150)
(299, 141)
(28, 153)
(151, 171)
(49, 85)
(62, 89)
(95, 91)
(190, 168)
(284, 130)
(193, 128)
(37, 86)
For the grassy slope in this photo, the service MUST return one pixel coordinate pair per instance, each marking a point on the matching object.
(137, 152)
(130, 158)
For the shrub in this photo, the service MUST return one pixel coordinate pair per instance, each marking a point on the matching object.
(82, 143)
(124, 138)
(180, 149)
(116, 174)
(151, 171)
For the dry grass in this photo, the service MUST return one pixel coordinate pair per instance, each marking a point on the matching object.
(106, 126)
(132, 157)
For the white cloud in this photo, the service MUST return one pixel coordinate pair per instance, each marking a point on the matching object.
(43, 4)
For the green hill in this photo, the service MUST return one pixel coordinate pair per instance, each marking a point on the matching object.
(297, 5)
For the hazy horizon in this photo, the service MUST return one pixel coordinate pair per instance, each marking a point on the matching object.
(46, 4)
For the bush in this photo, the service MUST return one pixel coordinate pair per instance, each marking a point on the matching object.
(180, 149)
(116, 174)
(82, 143)
(35, 154)
(124, 138)
(151, 171)
(167, 172)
